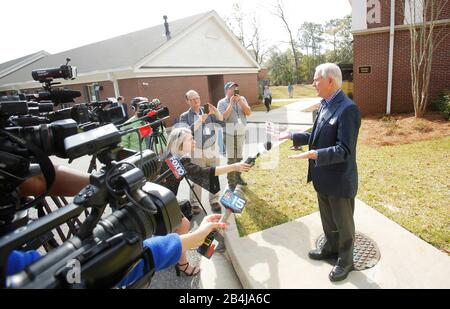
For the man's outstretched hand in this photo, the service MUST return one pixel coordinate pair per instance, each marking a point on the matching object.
(275, 133)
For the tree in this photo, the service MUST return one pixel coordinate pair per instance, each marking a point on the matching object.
(332, 29)
(310, 36)
(281, 66)
(345, 41)
(236, 22)
(279, 12)
(256, 43)
(253, 42)
(422, 17)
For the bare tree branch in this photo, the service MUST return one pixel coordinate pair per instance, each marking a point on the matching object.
(279, 12)
(424, 42)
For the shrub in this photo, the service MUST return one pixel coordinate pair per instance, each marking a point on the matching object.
(442, 104)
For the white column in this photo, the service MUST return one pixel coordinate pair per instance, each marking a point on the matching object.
(391, 58)
(115, 84)
(359, 15)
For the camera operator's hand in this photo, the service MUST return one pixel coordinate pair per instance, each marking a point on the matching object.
(68, 182)
(196, 238)
(201, 120)
(215, 112)
(235, 99)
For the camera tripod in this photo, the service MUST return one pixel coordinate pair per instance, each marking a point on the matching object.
(157, 142)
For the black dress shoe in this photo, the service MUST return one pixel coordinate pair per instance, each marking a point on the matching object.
(319, 254)
(340, 271)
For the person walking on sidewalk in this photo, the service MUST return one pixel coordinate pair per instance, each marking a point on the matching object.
(267, 94)
(290, 91)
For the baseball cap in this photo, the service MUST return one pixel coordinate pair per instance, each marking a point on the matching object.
(229, 85)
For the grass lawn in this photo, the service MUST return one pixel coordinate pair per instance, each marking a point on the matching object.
(275, 105)
(281, 93)
(408, 183)
(300, 91)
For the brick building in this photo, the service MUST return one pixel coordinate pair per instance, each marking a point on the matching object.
(198, 52)
(371, 45)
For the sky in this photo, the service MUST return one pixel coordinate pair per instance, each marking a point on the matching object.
(28, 26)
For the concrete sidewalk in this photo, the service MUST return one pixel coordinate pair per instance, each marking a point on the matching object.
(290, 114)
(278, 257)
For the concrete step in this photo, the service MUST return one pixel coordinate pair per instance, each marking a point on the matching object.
(278, 257)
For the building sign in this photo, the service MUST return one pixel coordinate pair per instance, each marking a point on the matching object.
(367, 69)
(365, 13)
(373, 12)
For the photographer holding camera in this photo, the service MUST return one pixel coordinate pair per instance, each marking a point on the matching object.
(235, 111)
(203, 122)
(131, 141)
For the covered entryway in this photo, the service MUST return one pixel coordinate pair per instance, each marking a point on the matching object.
(215, 88)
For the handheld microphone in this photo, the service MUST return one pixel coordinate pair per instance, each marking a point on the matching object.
(233, 203)
(176, 168)
(251, 160)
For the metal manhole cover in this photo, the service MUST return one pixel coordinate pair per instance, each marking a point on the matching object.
(365, 253)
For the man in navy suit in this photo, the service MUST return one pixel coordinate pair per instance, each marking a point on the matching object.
(332, 167)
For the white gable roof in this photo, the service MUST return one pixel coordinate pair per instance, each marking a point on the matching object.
(208, 44)
(202, 44)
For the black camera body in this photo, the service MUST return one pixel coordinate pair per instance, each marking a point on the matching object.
(47, 75)
(106, 248)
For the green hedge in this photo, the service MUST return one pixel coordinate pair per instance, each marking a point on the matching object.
(442, 104)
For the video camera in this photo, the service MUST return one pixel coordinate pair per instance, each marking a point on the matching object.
(47, 75)
(105, 112)
(106, 249)
(152, 110)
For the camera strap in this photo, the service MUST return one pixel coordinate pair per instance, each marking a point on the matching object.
(47, 168)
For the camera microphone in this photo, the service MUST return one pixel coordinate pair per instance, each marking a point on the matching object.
(251, 160)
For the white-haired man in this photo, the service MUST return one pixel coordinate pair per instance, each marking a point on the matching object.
(332, 167)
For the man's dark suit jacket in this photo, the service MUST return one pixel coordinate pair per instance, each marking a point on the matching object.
(334, 172)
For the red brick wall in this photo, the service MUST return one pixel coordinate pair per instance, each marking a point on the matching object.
(170, 90)
(263, 74)
(370, 90)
